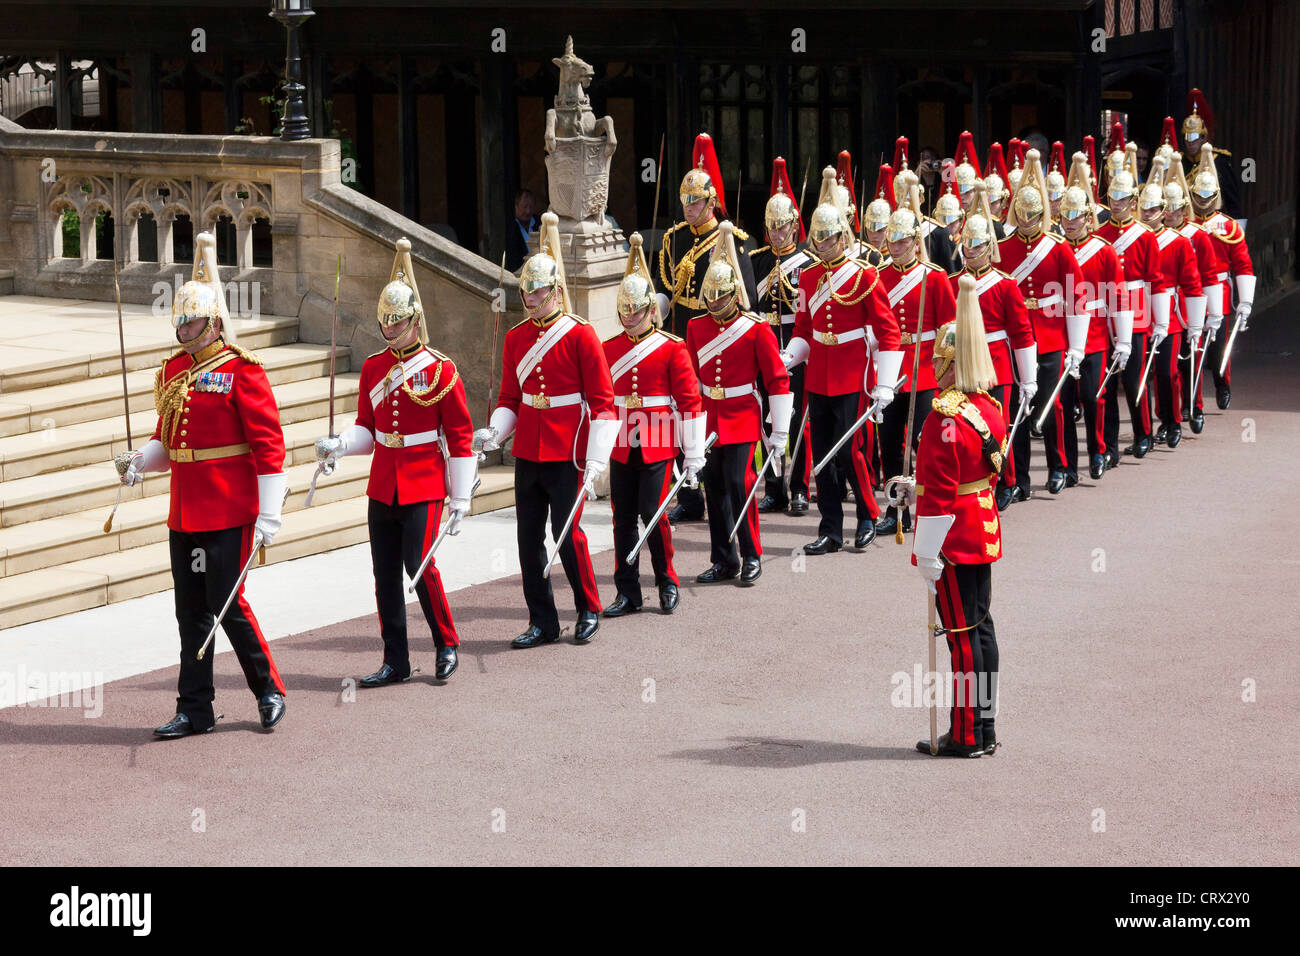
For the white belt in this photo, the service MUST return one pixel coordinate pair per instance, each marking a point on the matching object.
(839, 338)
(998, 336)
(1048, 300)
(552, 401)
(789, 319)
(924, 337)
(396, 440)
(642, 401)
(1223, 277)
(718, 393)
(1134, 284)
(1094, 304)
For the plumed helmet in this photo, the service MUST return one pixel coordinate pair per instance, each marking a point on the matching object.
(903, 223)
(827, 222)
(877, 214)
(1029, 202)
(1152, 196)
(996, 187)
(976, 231)
(1121, 186)
(719, 281)
(539, 272)
(1055, 185)
(635, 293)
(1075, 203)
(202, 297)
(780, 212)
(1175, 198)
(947, 209)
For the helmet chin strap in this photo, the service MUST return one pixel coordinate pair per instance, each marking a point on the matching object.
(543, 307)
(400, 342)
(185, 343)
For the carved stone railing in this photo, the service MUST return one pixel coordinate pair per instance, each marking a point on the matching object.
(294, 187)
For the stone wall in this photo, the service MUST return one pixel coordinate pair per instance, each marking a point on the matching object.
(314, 218)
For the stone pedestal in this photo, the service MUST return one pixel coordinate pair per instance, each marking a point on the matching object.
(594, 259)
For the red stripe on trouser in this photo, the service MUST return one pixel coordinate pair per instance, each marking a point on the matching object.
(1058, 415)
(1100, 405)
(751, 513)
(953, 615)
(862, 468)
(1175, 380)
(248, 611)
(432, 581)
(1008, 476)
(665, 532)
(586, 574)
(806, 451)
(1145, 402)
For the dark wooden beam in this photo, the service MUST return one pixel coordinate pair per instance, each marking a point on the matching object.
(408, 142)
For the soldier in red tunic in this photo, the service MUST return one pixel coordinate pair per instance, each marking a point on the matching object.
(1234, 266)
(730, 350)
(958, 535)
(219, 433)
(843, 311)
(1177, 208)
(419, 457)
(1008, 331)
(659, 409)
(557, 400)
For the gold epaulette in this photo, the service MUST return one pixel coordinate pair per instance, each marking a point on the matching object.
(862, 262)
(932, 267)
(244, 354)
(740, 234)
(517, 324)
(670, 231)
(996, 403)
(754, 252)
(577, 318)
(1220, 152)
(438, 355)
(1000, 272)
(670, 337)
(949, 402)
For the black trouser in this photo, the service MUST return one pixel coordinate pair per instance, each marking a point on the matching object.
(1168, 394)
(636, 490)
(1215, 356)
(965, 594)
(775, 487)
(692, 499)
(1049, 373)
(1139, 412)
(1187, 370)
(542, 487)
(830, 416)
(1083, 392)
(727, 478)
(205, 567)
(891, 430)
(400, 537)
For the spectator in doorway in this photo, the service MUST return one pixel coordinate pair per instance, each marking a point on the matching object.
(928, 171)
(523, 223)
(1143, 161)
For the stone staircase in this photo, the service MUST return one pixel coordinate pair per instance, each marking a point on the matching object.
(61, 422)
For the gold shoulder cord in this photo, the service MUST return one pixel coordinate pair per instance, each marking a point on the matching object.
(169, 398)
(437, 374)
(684, 271)
(847, 298)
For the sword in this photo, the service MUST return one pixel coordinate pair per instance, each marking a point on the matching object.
(126, 396)
(1227, 349)
(1200, 365)
(853, 430)
(933, 633)
(496, 327)
(1051, 400)
(1147, 371)
(564, 532)
(795, 454)
(257, 544)
(326, 467)
(758, 481)
(654, 216)
(1020, 417)
(447, 529)
(911, 401)
(663, 505)
(806, 166)
(1114, 367)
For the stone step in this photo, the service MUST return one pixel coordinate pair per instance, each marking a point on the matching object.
(6, 281)
(62, 447)
(27, 362)
(73, 403)
(107, 578)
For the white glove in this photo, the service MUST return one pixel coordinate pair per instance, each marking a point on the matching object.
(485, 439)
(693, 468)
(595, 468)
(901, 492)
(796, 352)
(1243, 313)
(1158, 335)
(132, 465)
(931, 571)
(881, 396)
(1122, 353)
(462, 472)
(353, 440)
(1214, 323)
(270, 502)
(931, 530)
(500, 427)
(776, 448)
(1028, 389)
(1072, 360)
(329, 449)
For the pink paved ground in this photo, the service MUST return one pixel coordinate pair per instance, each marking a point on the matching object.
(1121, 692)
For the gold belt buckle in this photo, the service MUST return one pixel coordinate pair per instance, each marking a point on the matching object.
(634, 401)
(394, 440)
(541, 401)
(905, 338)
(773, 318)
(1031, 302)
(830, 338)
(184, 454)
(717, 393)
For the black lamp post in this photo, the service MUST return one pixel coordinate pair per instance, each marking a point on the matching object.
(292, 14)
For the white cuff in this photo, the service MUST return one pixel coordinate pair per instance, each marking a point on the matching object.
(1196, 312)
(931, 530)
(462, 472)
(357, 441)
(1214, 299)
(798, 350)
(1027, 363)
(503, 420)
(600, 439)
(1160, 302)
(693, 435)
(1122, 325)
(270, 494)
(1076, 329)
(153, 457)
(887, 366)
(1245, 290)
(782, 407)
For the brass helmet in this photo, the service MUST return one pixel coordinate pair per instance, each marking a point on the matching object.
(1055, 185)
(1197, 123)
(997, 189)
(1031, 197)
(1122, 185)
(877, 214)
(1029, 202)
(1114, 164)
(545, 269)
(1075, 203)
(780, 211)
(697, 185)
(722, 278)
(902, 224)
(947, 209)
(1152, 196)
(976, 232)
(1164, 151)
(1205, 179)
(400, 298)
(539, 272)
(1014, 175)
(636, 291)
(945, 345)
(202, 297)
(719, 280)
(827, 222)
(1175, 198)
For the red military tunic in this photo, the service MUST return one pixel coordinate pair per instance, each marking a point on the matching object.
(903, 291)
(1180, 269)
(1207, 257)
(548, 394)
(1229, 241)
(223, 431)
(1139, 255)
(412, 404)
(1051, 281)
(652, 377)
(1104, 290)
(953, 476)
(728, 359)
(1006, 320)
(837, 332)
